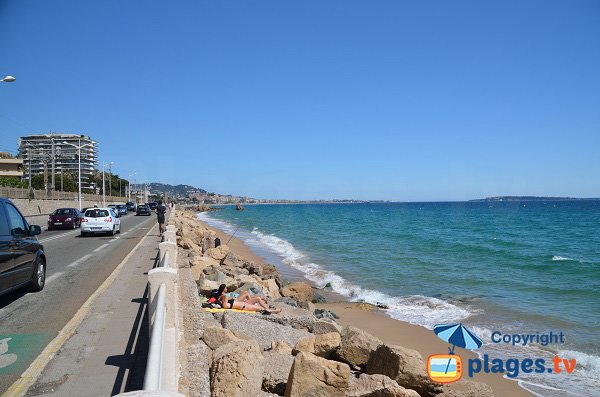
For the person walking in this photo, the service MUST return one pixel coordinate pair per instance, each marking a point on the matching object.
(161, 209)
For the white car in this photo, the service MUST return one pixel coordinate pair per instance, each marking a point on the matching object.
(100, 220)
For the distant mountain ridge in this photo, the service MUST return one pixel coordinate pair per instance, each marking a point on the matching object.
(174, 191)
(532, 198)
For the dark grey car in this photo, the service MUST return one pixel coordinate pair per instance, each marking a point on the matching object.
(22, 257)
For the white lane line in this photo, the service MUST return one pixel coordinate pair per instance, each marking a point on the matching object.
(80, 260)
(55, 275)
(124, 233)
(58, 236)
(100, 248)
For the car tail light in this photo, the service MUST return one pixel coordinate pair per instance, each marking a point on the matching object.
(109, 219)
(83, 220)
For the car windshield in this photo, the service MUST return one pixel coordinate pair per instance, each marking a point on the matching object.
(62, 211)
(96, 213)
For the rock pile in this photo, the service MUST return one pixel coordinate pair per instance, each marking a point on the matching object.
(298, 352)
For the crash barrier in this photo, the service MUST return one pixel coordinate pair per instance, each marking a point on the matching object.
(162, 367)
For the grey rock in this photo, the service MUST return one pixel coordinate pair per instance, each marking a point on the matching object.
(327, 314)
(276, 371)
(262, 330)
(288, 301)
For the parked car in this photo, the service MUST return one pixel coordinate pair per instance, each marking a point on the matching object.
(143, 209)
(22, 257)
(122, 209)
(130, 206)
(153, 205)
(100, 220)
(64, 218)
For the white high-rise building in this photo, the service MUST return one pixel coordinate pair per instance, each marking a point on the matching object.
(35, 150)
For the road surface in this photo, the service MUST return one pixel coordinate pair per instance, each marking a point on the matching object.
(76, 267)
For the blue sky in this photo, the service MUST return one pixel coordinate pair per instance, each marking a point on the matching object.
(398, 100)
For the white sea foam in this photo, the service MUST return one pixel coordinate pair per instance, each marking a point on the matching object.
(415, 309)
(560, 258)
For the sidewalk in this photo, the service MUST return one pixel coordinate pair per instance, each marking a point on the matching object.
(107, 353)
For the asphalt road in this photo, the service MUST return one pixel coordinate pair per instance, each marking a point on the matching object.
(76, 267)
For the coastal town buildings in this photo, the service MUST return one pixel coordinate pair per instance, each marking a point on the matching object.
(10, 167)
(56, 153)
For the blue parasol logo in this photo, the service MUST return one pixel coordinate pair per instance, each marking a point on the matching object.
(457, 335)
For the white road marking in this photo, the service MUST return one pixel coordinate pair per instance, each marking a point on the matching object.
(58, 236)
(124, 233)
(100, 248)
(80, 260)
(54, 276)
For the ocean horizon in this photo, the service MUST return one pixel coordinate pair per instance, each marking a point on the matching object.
(510, 267)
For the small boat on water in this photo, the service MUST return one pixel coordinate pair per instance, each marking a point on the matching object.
(239, 207)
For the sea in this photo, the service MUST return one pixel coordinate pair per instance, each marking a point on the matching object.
(499, 268)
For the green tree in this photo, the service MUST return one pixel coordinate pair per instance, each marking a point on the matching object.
(12, 182)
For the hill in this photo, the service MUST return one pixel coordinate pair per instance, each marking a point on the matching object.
(175, 191)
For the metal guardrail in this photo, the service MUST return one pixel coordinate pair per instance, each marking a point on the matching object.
(157, 355)
(153, 375)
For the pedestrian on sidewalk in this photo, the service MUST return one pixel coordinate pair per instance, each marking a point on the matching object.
(161, 209)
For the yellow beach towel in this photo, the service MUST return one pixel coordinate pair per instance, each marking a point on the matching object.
(208, 309)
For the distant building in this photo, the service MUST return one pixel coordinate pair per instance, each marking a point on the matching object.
(36, 150)
(10, 166)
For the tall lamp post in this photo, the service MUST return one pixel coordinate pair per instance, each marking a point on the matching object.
(129, 187)
(104, 165)
(79, 147)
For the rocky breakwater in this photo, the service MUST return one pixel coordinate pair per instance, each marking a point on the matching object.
(298, 352)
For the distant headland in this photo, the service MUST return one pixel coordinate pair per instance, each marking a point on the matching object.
(532, 198)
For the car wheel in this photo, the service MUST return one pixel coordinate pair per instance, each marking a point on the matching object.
(83, 234)
(39, 276)
(49, 228)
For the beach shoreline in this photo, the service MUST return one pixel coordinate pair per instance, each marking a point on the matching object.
(376, 322)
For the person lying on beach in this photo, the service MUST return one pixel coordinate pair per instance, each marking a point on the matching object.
(246, 297)
(241, 305)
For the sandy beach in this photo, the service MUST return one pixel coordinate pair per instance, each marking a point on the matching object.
(390, 331)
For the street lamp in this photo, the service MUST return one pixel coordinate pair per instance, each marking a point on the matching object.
(79, 147)
(129, 189)
(104, 165)
(8, 79)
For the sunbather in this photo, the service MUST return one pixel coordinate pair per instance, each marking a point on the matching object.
(244, 305)
(245, 297)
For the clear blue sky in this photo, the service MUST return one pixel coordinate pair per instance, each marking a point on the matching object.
(399, 100)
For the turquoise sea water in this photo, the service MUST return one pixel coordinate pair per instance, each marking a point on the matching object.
(511, 267)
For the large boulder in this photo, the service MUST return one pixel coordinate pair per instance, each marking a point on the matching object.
(324, 326)
(271, 289)
(260, 329)
(188, 244)
(218, 253)
(363, 385)
(236, 370)
(215, 337)
(277, 368)
(302, 292)
(403, 365)
(356, 346)
(205, 286)
(317, 377)
(321, 345)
